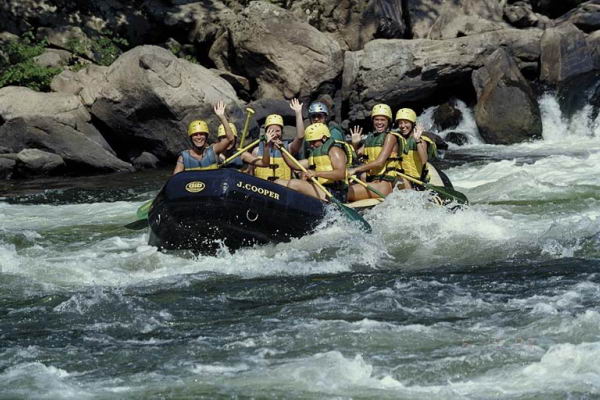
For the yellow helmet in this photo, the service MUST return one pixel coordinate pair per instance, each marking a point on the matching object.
(197, 126)
(274, 119)
(316, 132)
(407, 114)
(383, 110)
(221, 131)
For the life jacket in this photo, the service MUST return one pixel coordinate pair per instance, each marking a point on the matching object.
(278, 168)
(411, 163)
(209, 159)
(373, 147)
(319, 160)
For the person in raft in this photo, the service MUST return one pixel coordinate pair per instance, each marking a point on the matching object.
(203, 155)
(277, 168)
(318, 112)
(245, 158)
(327, 162)
(417, 148)
(381, 150)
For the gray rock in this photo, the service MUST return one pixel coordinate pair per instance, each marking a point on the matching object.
(286, 57)
(70, 38)
(521, 15)
(564, 54)
(6, 167)
(85, 83)
(53, 58)
(145, 161)
(506, 111)
(457, 138)
(446, 116)
(438, 19)
(585, 17)
(149, 96)
(81, 154)
(398, 71)
(35, 162)
(17, 102)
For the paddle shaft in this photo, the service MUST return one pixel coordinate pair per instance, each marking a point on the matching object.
(369, 187)
(249, 114)
(313, 179)
(227, 160)
(443, 191)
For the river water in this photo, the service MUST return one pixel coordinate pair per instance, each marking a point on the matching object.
(497, 301)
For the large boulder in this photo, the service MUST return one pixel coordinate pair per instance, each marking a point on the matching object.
(521, 15)
(585, 17)
(564, 54)
(80, 154)
(149, 96)
(285, 56)
(354, 23)
(398, 72)
(7, 166)
(85, 83)
(438, 19)
(506, 111)
(21, 102)
(35, 162)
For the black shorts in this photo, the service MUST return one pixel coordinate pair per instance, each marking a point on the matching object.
(341, 194)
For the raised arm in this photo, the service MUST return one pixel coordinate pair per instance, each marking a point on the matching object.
(222, 145)
(421, 144)
(299, 139)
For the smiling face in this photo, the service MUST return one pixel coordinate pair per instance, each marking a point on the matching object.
(380, 123)
(405, 126)
(199, 139)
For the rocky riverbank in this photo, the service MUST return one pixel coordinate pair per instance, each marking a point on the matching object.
(179, 57)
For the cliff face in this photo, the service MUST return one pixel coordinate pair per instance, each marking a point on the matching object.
(180, 56)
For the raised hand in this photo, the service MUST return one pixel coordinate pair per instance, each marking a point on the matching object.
(296, 105)
(272, 137)
(418, 131)
(356, 133)
(219, 108)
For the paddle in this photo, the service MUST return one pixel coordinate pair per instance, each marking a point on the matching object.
(444, 192)
(249, 114)
(142, 211)
(350, 213)
(369, 187)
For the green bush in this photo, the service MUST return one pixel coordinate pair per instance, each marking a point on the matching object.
(18, 68)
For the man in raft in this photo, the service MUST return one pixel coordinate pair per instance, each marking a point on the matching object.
(417, 148)
(318, 112)
(277, 168)
(381, 150)
(203, 155)
(327, 162)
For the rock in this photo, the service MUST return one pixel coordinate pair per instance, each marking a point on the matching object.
(239, 83)
(286, 57)
(585, 17)
(17, 102)
(145, 161)
(446, 116)
(85, 83)
(149, 96)
(564, 54)
(506, 111)
(438, 19)
(593, 43)
(35, 162)
(6, 167)
(398, 71)
(53, 58)
(4, 150)
(71, 38)
(81, 154)
(458, 138)
(521, 15)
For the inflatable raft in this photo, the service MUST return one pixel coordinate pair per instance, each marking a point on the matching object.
(204, 210)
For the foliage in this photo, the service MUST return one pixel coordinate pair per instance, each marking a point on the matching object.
(105, 48)
(18, 67)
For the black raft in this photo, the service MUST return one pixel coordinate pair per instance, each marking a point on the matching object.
(201, 210)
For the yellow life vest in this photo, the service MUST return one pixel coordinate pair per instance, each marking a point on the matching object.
(411, 162)
(278, 169)
(373, 147)
(319, 160)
